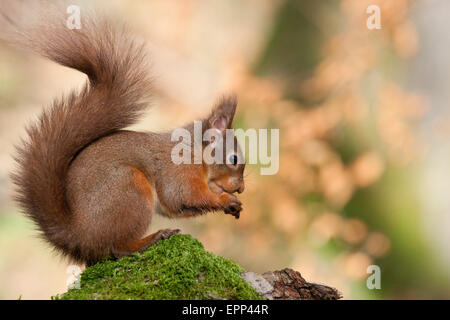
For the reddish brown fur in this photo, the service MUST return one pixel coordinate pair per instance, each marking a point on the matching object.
(91, 187)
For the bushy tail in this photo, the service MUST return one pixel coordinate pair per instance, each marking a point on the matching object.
(117, 92)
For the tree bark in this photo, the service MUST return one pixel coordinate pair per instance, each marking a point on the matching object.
(288, 284)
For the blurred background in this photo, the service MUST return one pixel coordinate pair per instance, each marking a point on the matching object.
(364, 136)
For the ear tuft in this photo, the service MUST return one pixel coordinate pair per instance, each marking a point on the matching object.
(222, 115)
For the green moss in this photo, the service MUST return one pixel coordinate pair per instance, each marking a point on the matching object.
(175, 268)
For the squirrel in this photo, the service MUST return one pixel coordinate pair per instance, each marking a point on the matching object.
(90, 185)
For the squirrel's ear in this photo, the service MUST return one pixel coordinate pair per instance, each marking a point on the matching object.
(222, 115)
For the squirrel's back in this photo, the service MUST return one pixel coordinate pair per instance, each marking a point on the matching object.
(116, 93)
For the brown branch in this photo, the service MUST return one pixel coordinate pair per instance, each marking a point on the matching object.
(288, 284)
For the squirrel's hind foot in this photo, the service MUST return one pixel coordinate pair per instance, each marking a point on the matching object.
(141, 245)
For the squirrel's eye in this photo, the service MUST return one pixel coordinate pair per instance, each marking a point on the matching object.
(233, 159)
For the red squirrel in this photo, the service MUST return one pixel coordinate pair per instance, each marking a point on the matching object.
(91, 186)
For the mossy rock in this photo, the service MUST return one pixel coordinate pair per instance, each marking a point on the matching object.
(175, 268)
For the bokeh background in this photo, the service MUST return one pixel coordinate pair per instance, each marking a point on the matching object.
(364, 136)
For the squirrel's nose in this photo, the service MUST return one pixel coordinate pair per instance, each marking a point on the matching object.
(241, 188)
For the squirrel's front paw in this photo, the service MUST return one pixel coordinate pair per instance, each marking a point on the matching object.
(234, 210)
(234, 207)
